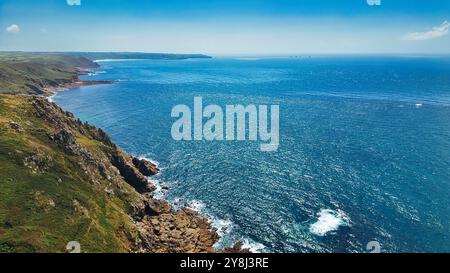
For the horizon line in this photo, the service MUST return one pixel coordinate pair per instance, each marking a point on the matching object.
(234, 54)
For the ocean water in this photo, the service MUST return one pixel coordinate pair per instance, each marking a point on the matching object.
(364, 147)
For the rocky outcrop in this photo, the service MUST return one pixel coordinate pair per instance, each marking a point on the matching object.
(38, 163)
(66, 141)
(43, 201)
(154, 207)
(79, 209)
(237, 248)
(183, 232)
(145, 167)
(16, 126)
(54, 115)
(131, 174)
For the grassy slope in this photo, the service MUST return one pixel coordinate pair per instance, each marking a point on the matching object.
(43, 210)
(29, 73)
(28, 220)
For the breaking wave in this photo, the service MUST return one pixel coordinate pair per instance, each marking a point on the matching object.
(329, 220)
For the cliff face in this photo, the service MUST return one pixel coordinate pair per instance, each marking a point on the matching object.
(62, 180)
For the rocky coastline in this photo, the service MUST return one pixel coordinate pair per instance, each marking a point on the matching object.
(74, 172)
(53, 88)
(162, 228)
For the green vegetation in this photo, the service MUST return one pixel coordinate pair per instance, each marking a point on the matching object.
(23, 73)
(49, 198)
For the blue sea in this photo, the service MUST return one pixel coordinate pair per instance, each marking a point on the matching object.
(364, 151)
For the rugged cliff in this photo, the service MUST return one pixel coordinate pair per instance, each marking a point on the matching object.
(63, 180)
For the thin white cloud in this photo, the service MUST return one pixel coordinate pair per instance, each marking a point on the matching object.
(74, 2)
(13, 29)
(434, 33)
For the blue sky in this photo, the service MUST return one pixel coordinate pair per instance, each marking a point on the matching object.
(249, 27)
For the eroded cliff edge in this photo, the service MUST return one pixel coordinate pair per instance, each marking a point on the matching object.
(63, 180)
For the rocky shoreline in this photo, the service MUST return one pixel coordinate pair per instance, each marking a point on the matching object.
(161, 229)
(52, 90)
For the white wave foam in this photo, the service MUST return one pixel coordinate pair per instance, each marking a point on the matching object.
(160, 192)
(329, 220)
(253, 246)
(154, 162)
(116, 60)
(91, 74)
(196, 205)
(51, 98)
(223, 227)
(178, 203)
